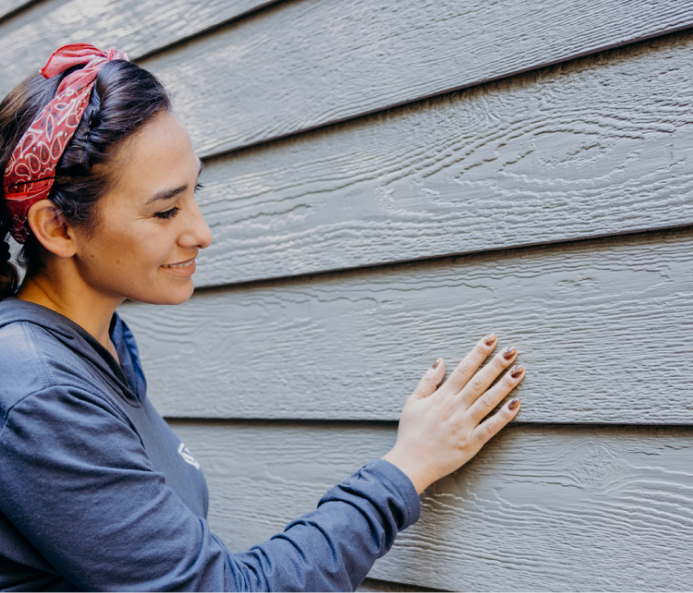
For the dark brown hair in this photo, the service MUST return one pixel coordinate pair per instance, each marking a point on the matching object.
(125, 97)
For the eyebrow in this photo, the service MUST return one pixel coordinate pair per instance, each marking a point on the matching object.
(167, 194)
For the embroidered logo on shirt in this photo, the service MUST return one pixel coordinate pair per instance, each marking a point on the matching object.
(187, 455)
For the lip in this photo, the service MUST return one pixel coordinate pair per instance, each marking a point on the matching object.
(186, 270)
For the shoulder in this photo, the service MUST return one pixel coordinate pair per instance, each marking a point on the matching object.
(23, 352)
(34, 360)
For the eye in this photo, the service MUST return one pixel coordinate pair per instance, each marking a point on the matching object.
(167, 213)
(198, 187)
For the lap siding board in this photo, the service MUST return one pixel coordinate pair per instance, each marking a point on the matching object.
(604, 328)
(11, 7)
(600, 146)
(535, 508)
(138, 28)
(592, 147)
(309, 63)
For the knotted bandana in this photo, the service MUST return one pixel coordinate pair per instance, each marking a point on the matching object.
(30, 172)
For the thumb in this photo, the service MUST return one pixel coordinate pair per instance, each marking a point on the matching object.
(430, 381)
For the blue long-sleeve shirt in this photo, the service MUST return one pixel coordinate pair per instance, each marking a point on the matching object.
(97, 492)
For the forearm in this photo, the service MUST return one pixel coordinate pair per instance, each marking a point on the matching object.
(334, 547)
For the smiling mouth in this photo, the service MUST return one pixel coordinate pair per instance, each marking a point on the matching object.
(181, 265)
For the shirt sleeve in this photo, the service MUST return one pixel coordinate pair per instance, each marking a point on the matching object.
(78, 485)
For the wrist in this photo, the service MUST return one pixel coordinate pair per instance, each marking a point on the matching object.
(417, 475)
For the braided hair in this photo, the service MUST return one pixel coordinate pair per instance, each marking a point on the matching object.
(124, 98)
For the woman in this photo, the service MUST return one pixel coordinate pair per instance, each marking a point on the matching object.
(96, 492)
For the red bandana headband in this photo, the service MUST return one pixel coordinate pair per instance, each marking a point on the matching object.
(30, 172)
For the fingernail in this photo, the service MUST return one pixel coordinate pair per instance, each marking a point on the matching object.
(509, 352)
(490, 339)
(436, 363)
(516, 371)
(513, 404)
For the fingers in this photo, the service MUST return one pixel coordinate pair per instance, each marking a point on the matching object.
(470, 363)
(491, 426)
(480, 382)
(430, 381)
(489, 400)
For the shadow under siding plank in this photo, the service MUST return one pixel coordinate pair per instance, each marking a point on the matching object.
(136, 27)
(599, 146)
(9, 7)
(604, 328)
(375, 585)
(309, 63)
(540, 508)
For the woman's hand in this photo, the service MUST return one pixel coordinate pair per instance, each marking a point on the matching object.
(440, 430)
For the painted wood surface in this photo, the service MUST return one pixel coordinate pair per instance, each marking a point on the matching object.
(604, 328)
(600, 146)
(376, 585)
(308, 63)
(540, 509)
(9, 7)
(136, 27)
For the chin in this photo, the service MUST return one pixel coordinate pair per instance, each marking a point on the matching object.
(172, 297)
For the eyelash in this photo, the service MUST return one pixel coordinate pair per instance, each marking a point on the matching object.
(167, 214)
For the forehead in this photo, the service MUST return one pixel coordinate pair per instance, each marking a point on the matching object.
(160, 156)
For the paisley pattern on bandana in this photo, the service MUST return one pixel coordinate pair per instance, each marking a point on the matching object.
(30, 172)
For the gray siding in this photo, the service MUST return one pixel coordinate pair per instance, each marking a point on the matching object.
(309, 63)
(136, 27)
(547, 201)
(605, 329)
(542, 508)
(599, 146)
(10, 7)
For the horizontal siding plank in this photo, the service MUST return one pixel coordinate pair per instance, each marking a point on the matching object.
(7, 7)
(600, 146)
(530, 513)
(375, 585)
(309, 63)
(605, 329)
(133, 26)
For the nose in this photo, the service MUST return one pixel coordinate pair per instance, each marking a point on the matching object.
(196, 233)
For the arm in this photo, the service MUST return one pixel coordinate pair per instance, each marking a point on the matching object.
(78, 485)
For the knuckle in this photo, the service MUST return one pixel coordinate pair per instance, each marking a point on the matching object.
(490, 430)
(499, 364)
(484, 350)
(464, 368)
(487, 401)
(464, 442)
(478, 383)
(426, 382)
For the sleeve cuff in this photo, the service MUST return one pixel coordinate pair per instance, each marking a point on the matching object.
(398, 481)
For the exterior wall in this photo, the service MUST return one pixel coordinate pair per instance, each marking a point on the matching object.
(388, 181)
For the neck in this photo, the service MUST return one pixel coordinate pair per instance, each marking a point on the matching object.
(61, 291)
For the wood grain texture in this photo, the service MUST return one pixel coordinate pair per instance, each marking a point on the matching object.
(539, 509)
(604, 328)
(309, 63)
(600, 146)
(136, 27)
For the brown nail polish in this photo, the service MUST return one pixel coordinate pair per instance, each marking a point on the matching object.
(509, 352)
(516, 371)
(512, 406)
(490, 339)
(436, 363)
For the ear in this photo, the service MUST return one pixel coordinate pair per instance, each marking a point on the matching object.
(47, 223)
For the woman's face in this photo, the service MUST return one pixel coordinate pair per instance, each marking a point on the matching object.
(150, 226)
